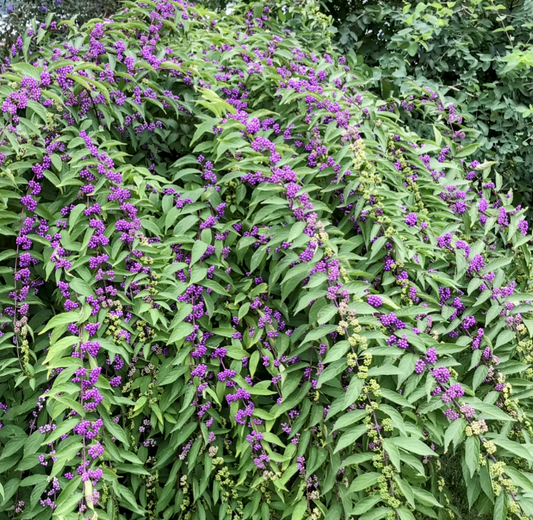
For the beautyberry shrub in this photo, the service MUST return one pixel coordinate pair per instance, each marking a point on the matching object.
(236, 286)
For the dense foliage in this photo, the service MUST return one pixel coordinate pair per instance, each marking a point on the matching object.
(478, 51)
(17, 15)
(237, 286)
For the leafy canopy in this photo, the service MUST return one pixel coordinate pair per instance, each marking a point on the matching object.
(18, 15)
(478, 51)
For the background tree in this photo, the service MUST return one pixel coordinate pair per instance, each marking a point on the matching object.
(477, 51)
(17, 15)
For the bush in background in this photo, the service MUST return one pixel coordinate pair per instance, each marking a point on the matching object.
(479, 52)
(20, 15)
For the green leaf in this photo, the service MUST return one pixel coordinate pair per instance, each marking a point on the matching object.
(273, 439)
(315, 463)
(392, 452)
(81, 287)
(358, 458)
(13, 446)
(491, 410)
(414, 446)
(62, 429)
(385, 370)
(377, 247)
(28, 70)
(376, 514)
(319, 332)
(405, 514)
(307, 298)
(396, 417)
(293, 279)
(472, 454)
(479, 376)
(331, 372)
(492, 313)
(296, 230)
(396, 398)
(181, 331)
(75, 214)
(519, 478)
(425, 498)
(364, 481)
(438, 135)
(348, 438)
(500, 507)
(412, 48)
(114, 429)
(354, 390)
(504, 338)
(61, 319)
(299, 510)
(485, 482)
(366, 504)
(454, 433)
(326, 314)
(336, 352)
(514, 448)
(349, 418)
(467, 150)
(198, 249)
(128, 498)
(67, 504)
(58, 349)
